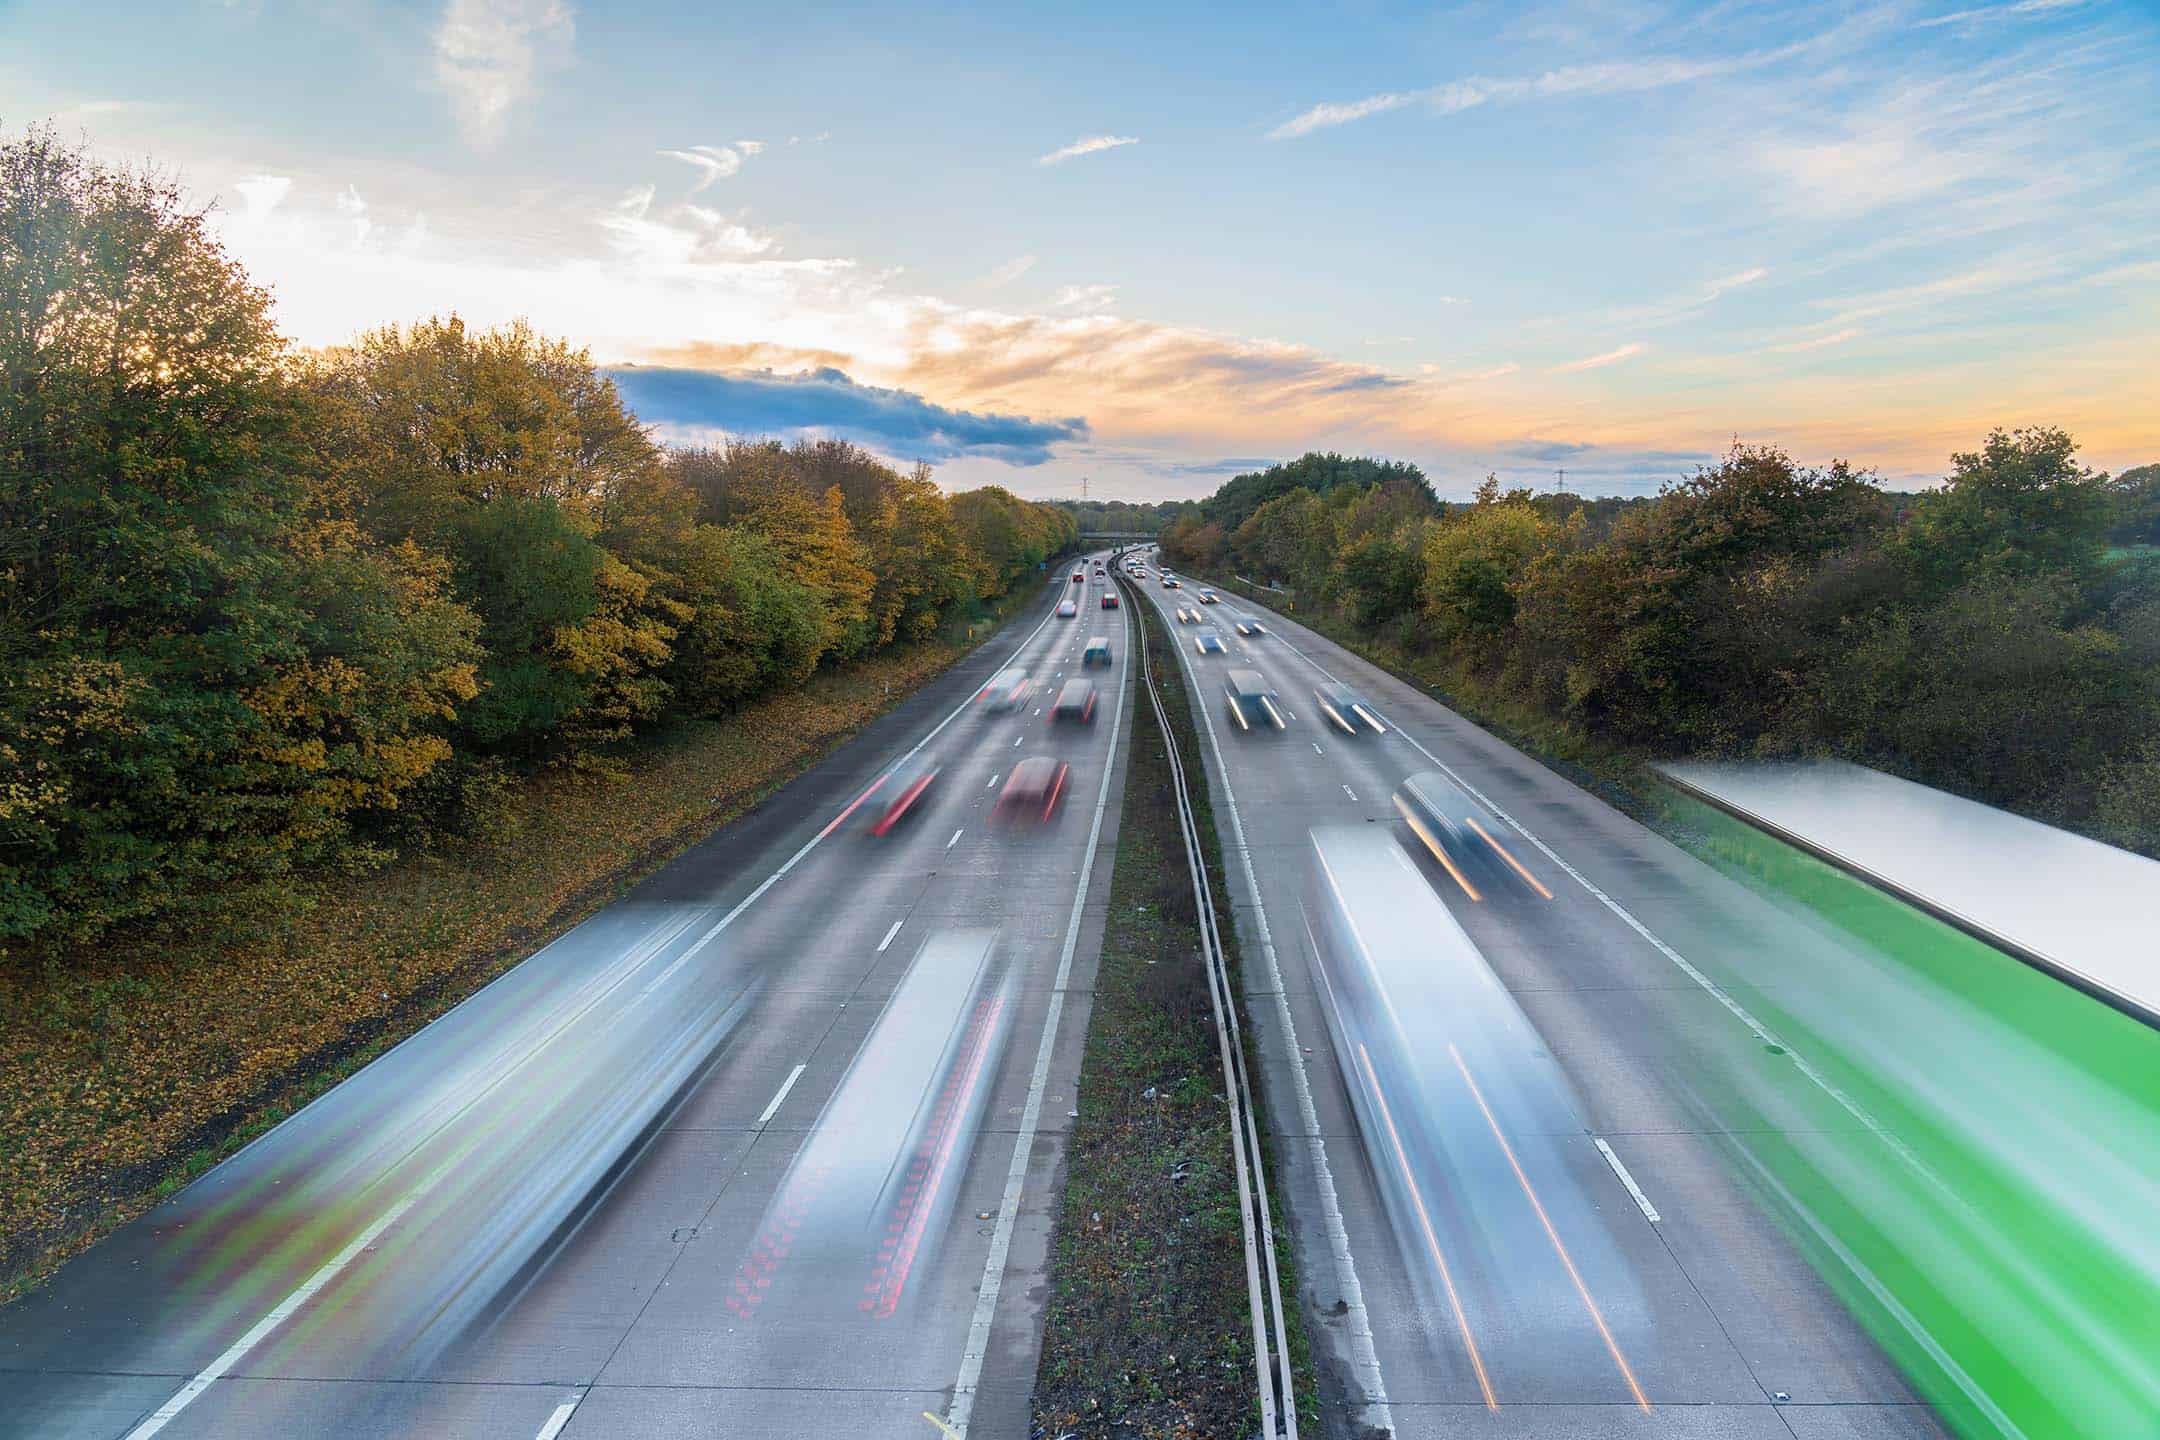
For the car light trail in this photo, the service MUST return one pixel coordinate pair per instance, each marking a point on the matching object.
(841, 819)
(1596, 1316)
(1511, 860)
(1432, 1241)
(1439, 851)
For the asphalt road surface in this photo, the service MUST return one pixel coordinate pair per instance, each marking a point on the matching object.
(764, 1149)
(1567, 1310)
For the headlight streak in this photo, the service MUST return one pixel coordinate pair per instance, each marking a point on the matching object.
(1432, 843)
(1425, 1225)
(1517, 865)
(1597, 1317)
(1273, 714)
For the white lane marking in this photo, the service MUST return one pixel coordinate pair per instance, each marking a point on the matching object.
(888, 936)
(561, 1417)
(189, 1393)
(993, 1278)
(1642, 1201)
(1317, 750)
(1364, 1358)
(955, 838)
(1350, 792)
(993, 782)
(1017, 739)
(237, 1351)
(772, 1107)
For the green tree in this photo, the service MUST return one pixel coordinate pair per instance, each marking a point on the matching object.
(207, 675)
(2021, 505)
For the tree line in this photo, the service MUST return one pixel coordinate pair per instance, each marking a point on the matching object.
(266, 612)
(1998, 636)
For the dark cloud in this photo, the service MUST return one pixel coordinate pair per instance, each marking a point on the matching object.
(1550, 449)
(1234, 465)
(898, 423)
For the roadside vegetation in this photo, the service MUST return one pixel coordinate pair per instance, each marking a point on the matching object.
(1998, 637)
(1147, 1332)
(332, 682)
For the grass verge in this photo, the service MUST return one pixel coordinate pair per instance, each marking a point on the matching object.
(1148, 1331)
(126, 1074)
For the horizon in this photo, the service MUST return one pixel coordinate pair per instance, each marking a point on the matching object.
(1613, 241)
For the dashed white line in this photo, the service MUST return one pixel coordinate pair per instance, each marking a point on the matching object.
(1642, 1201)
(773, 1107)
(888, 936)
(993, 1276)
(1317, 750)
(561, 1417)
(1350, 792)
(993, 783)
(955, 838)
(1018, 738)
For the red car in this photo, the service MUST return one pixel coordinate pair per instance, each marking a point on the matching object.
(1109, 600)
(1031, 792)
(902, 788)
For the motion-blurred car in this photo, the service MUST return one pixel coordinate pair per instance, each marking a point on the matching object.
(1459, 833)
(1069, 609)
(1347, 710)
(1079, 577)
(1097, 652)
(1109, 600)
(1252, 702)
(1075, 702)
(1185, 616)
(1169, 582)
(1208, 642)
(1209, 597)
(900, 790)
(1008, 690)
(1249, 625)
(1031, 792)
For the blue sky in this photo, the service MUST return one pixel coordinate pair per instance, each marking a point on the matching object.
(1134, 243)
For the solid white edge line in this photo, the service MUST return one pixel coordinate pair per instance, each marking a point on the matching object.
(187, 1394)
(1642, 1201)
(237, 1351)
(1364, 1358)
(561, 1417)
(993, 1281)
(772, 1107)
(889, 934)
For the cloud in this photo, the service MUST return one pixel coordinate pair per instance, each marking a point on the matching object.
(1599, 362)
(682, 235)
(1083, 298)
(1820, 342)
(1089, 146)
(490, 54)
(1551, 449)
(1971, 18)
(261, 194)
(826, 402)
(715, 162)
(1735, 281)
(1608, 77)
(1229, 465)
(1008, 272)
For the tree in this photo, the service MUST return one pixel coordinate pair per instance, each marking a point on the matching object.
(207, 672)
(2137, 501)
(2019, 506)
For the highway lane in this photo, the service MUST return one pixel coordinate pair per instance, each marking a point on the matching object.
(1573, 1312)
(743, 1153)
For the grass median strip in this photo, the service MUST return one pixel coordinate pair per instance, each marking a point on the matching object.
(1148, 1333)
(127, 1074)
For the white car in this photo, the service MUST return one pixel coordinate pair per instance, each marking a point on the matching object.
(1069, 609)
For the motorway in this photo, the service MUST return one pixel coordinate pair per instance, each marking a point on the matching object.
(1602, 1261)
(764, 1149)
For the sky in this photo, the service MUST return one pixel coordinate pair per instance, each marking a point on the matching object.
(1148, 246)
